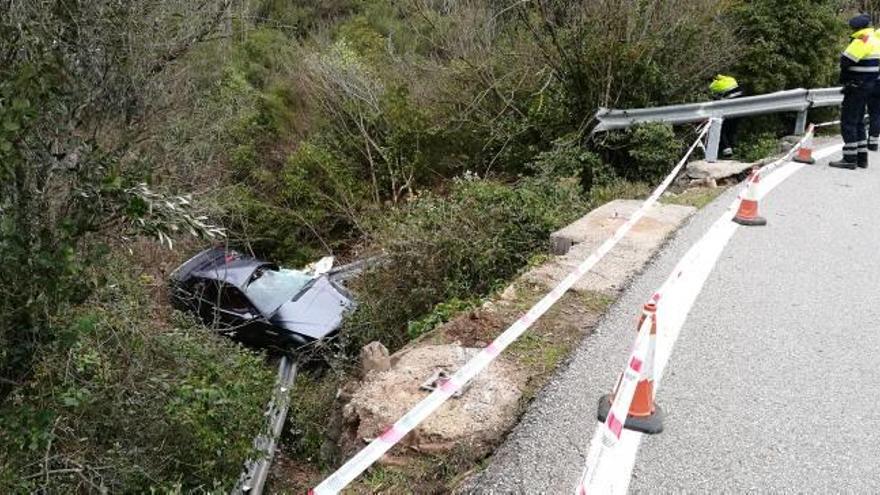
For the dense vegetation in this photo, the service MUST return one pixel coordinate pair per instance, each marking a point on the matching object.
(450, 136)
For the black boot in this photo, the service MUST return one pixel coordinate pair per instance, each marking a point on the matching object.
(863, 159)
(848, 162)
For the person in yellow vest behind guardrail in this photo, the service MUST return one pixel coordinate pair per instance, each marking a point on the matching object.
(725, 87)
(858, 75)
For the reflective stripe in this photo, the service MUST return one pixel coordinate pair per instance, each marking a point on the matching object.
(849, 152)
(863, 68)
(873, 139)
(849, 145)
(862, 143)
(737, 94)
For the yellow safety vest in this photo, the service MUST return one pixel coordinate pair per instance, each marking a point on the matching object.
(861, 59)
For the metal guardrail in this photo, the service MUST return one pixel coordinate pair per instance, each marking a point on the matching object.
(253, 480)
(794, 100)
(826, 97)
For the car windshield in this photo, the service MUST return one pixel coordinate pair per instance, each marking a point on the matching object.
(272, 288)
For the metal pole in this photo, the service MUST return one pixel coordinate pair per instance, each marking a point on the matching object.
(800, 126)
(713, 139)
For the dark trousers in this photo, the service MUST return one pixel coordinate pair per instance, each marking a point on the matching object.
(874, 112)
(852, 121)
(728, 133)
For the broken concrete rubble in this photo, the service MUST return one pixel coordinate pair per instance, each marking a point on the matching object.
(481, 414)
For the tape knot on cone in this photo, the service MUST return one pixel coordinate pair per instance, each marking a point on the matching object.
(748, 205)
(644, 414)
(804, 153)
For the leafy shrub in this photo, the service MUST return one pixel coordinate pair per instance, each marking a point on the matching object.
(117, 403)
(643, 153)
(568, 158)
(771, 60)
(462, 245)
(310, 413)
(441, 313)
(754, 147)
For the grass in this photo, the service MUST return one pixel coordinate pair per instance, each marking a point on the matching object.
(696, 197)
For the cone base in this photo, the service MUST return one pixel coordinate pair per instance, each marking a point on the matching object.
(808, 161)
(651, 425)
(756, 221)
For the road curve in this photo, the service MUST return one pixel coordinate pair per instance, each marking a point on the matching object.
(772, 385)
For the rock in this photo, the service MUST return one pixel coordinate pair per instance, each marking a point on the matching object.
(625, 260)
(559, 244)
(721, 169)
(486, 410)
(374, 357)
(708, 182)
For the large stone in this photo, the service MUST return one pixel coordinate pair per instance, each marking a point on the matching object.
(485, 411)
(374, 358)
(625, 260)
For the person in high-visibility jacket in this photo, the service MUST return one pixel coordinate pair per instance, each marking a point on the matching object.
(859, 71)
(874, 101)
(724, 88)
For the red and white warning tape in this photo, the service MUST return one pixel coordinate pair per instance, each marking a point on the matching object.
(607, 470)
(623, 396)
(392, 435)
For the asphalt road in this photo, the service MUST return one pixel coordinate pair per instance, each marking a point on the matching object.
(773, 384)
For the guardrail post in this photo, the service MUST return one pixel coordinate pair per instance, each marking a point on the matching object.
(714, 139)
(800, 126)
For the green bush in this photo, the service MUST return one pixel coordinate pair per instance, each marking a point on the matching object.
(772, 59)
(121, 404)
(462, 245)
(567, 158)
(441, 313)
(754, 147)
(643, 153)
(310, 413)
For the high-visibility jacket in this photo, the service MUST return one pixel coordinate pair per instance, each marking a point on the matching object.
(875, 46)
(860, 62)
(725, 87)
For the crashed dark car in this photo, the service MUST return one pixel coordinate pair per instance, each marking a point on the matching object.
(258, 302)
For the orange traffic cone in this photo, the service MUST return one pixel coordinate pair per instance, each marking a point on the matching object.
(804, 154)
(748, 206)
(644, 415)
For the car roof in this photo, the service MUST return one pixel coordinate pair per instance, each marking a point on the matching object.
(232, 268)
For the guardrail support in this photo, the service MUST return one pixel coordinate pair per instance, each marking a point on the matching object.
(800, 126)
(714, 139)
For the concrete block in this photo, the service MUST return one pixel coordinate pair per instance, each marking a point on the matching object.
(625, 260)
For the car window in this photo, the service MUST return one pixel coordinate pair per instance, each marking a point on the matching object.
(231, 299)
(271, 288)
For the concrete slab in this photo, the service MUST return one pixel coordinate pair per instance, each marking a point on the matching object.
(721, 169)
(625, 260)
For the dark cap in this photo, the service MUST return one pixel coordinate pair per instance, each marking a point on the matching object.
(860, 21)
